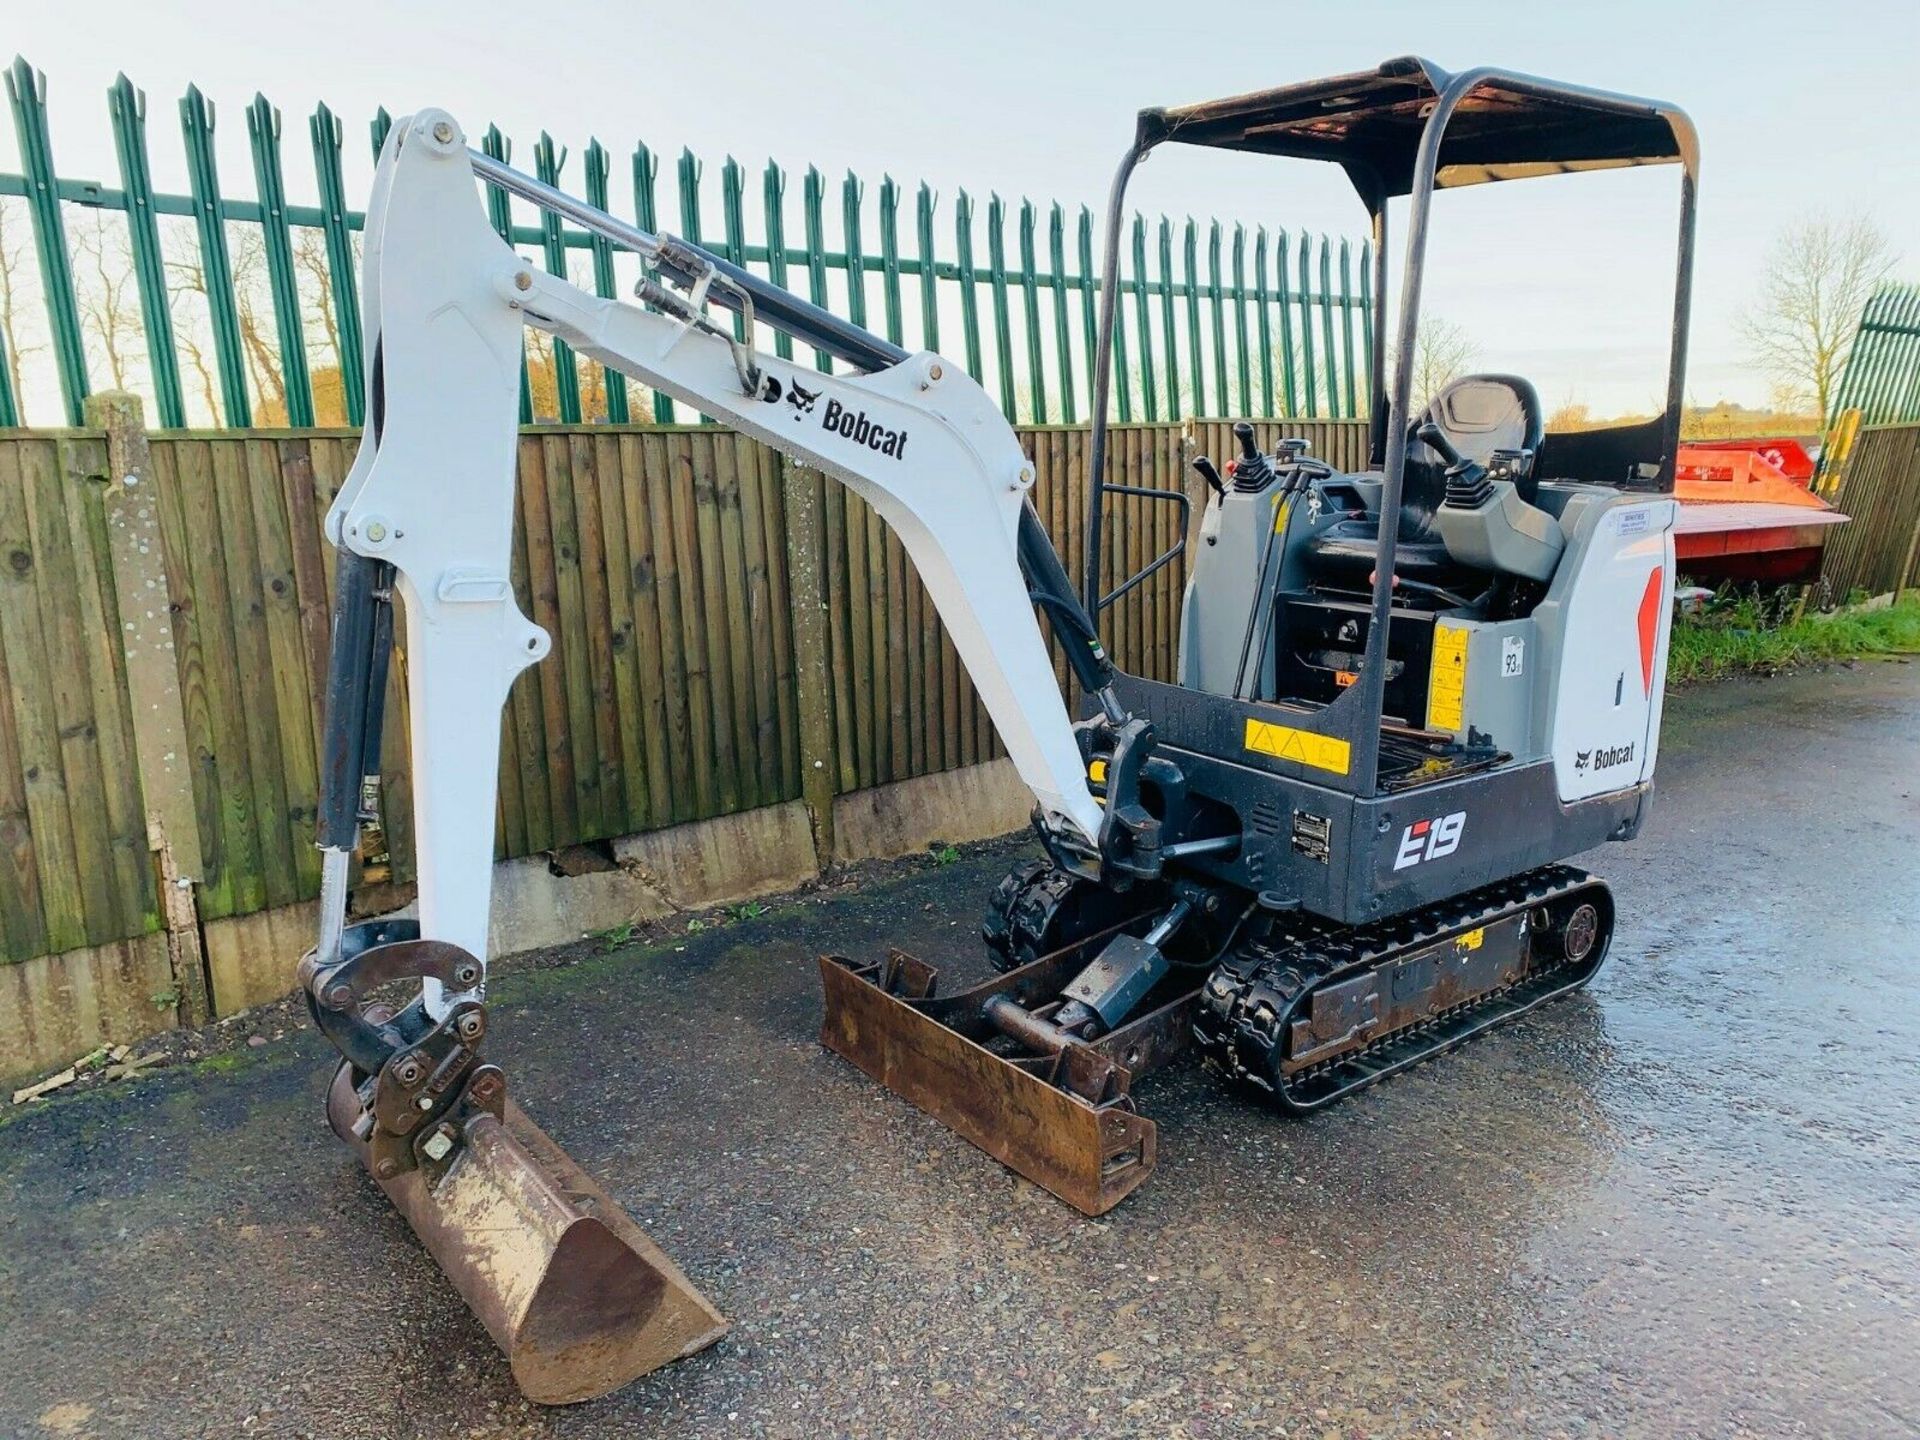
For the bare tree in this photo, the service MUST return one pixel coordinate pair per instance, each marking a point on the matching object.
(106, 295)
(197, 357)
(1571, 415)
(1307, 397)
(1818, 276)
(310, 259)
(253, 302)
(13, 267)
(187, 290)
(247, 264)
(326, 378)
(543, 384)
(1441, 355)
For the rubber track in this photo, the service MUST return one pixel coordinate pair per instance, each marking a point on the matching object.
(1250, 998)
(1021, 910)
(1037, 909)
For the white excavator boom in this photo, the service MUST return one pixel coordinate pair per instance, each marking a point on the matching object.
(432, 493)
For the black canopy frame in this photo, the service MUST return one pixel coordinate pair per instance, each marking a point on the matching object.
(1408, 128)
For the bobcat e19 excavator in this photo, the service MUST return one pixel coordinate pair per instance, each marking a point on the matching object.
(1333, 849)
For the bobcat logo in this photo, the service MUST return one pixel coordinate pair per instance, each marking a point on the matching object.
(1605, 757)
(802, 400)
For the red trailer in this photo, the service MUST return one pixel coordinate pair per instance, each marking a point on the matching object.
(1746, 512)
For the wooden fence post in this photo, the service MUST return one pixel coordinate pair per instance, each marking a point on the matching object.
(161, 753)
(807, 594)
(1187, 449)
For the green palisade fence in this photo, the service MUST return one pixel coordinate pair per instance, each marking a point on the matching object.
(1882, 375)
(1264, 323)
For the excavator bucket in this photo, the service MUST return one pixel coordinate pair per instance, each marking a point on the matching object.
(574, 1292)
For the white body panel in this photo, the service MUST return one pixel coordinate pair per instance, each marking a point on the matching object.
(1604, 730)
(445, 301)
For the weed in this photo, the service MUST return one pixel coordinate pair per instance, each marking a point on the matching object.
(750, 910)
(614, 936)
(1739, 632)
(945, 855)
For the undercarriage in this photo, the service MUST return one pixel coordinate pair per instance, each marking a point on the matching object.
(1299, 1011)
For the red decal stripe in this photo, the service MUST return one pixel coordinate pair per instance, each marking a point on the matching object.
(1649, 627)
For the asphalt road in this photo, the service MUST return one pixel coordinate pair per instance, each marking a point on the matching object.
(1686, 1202)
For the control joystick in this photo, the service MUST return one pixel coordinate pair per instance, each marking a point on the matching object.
(1252, 471)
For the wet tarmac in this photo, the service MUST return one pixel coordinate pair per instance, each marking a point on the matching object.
(1685, 1203)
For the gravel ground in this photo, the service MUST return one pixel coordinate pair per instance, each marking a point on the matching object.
(1685, 1202)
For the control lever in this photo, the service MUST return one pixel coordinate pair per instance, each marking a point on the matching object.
(1210, 475)
(1467, 484)
(1436, 438)
(1251, 471)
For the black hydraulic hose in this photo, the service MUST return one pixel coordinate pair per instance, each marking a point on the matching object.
(1261, 616)
(1047, 582)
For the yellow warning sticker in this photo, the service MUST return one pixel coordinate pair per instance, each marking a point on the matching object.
(1323, 752)
(1447, 682)
(1097, 772)
(1472, 939)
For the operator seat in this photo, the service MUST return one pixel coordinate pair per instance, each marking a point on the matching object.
(1484, 413)
(1479, 414)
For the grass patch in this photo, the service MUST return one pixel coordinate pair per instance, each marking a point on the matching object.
(1742, 634)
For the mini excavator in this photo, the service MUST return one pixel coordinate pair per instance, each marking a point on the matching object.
(1335, 848)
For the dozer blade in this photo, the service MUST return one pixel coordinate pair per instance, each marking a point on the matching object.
(1063, 1120)
(573, 1291)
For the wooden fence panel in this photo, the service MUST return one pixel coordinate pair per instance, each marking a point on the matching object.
(73, 845)
(1878, 550)
(657, 558)
(106, 713)
(207, 605)
(1880, 490)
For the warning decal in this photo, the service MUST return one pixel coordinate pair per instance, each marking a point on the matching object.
(1323, 752)
(1447, 685)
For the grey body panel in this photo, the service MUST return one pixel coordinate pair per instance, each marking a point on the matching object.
(1225, 581)
(1505, 534)
(1503, 670)
(1221, 590)
(1336, 854)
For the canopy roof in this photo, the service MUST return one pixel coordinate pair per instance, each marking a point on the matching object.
(1507, 127)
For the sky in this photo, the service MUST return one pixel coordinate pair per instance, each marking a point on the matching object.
(1567, 280)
